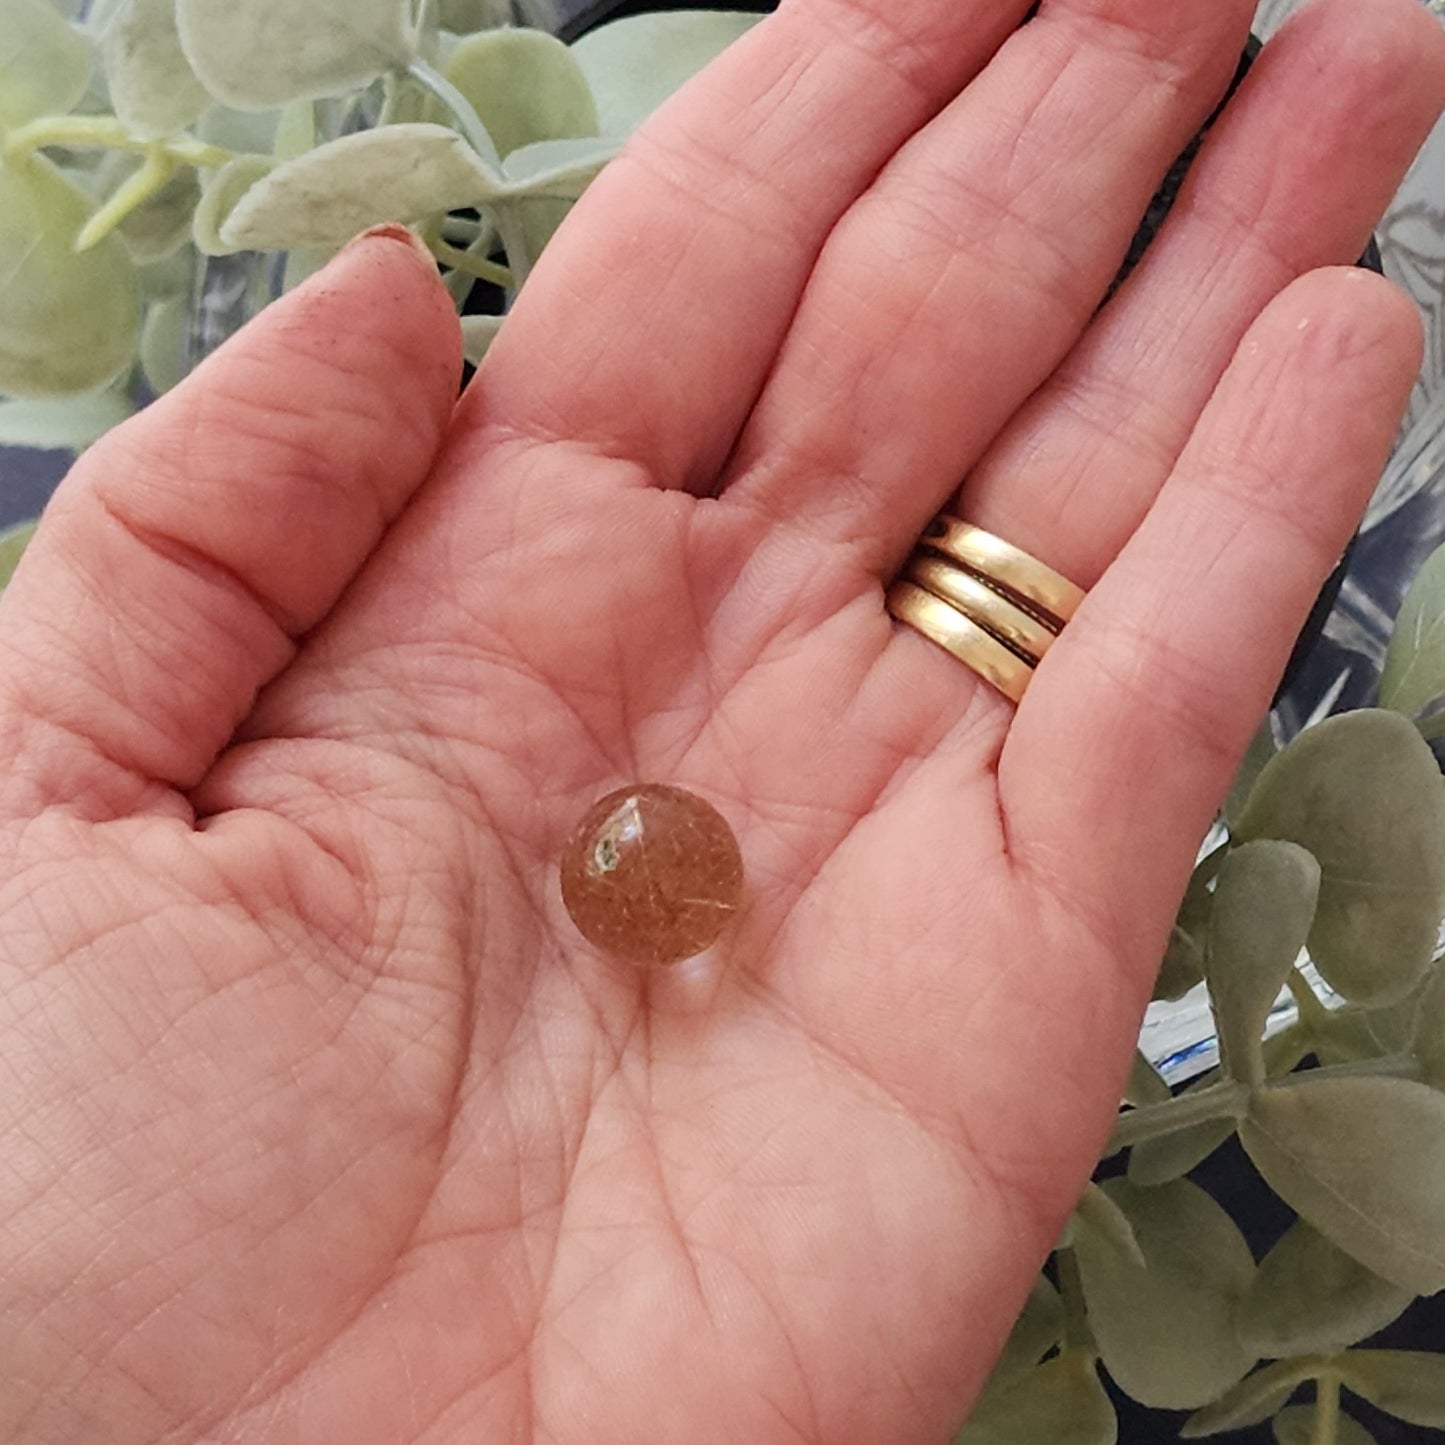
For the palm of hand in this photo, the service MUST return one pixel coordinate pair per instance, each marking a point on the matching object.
(454, 1132)
(378, 1149)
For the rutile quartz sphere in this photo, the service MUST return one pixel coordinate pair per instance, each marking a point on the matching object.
(653, 874)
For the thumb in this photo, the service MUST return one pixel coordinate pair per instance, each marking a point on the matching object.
(187, 551)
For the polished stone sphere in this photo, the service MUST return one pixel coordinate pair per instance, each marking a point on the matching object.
(653, 874)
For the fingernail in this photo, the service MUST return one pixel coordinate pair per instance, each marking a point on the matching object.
(394, 231)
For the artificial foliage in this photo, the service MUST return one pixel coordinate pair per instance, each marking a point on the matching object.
(141, 143)
(1331, 851)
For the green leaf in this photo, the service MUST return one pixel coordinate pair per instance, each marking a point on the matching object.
(1038, 1329)
(397, 173)
(1060, 1401)
(1296, 1426)
(220, 196)
(1362, 1160)
(478, 333)
(1262, 749)
(633, 65)
(246, 132)
(13, 541)
(1264, 904)
(255, 54)
(1414, 672)
(1097, 1214)
(1255, 1398)
(556, 169)
(68, 322)
(152, 86)
(1310, 1298)
(1172, 1156)
(45, 63)
(1428, 1036)
(1181, 969)
(159, 226)
(1345, 1036)
(1407, 1384)
(524, 85)
(65, 424)
(163, 343)
(1166, 1329)
(1145, 1084)
(1362, 792)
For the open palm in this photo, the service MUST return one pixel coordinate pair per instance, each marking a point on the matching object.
(320, 1121)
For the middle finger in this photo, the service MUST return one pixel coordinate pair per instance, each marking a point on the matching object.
(953, 288)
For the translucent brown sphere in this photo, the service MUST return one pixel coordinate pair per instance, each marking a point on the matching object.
(652, 874)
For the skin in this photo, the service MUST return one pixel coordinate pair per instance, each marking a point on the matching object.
(318, 1121)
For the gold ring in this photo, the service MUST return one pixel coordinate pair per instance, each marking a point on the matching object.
(1040, 590)
(980, 603)
(944, 624)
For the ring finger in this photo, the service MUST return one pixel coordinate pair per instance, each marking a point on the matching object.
(999, 229)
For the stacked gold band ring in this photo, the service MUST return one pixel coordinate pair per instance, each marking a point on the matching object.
(992, 606)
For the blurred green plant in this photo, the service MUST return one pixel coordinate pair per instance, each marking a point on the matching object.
(154, 134)
(1333, 852)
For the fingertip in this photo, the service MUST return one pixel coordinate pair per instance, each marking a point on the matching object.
(1341, 316)
(391, 281)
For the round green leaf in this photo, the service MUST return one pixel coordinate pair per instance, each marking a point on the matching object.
(68, 322)
(160, 225)
(63, 424)
(1060, 1401)
(1407, 1384)
(559, 169)
(1346, 1035)
(255, 54)
(1428, 1035)
(45, 63)
(463, 16)
(1182, 968)
(1264, 903)
(1296, 1426)
(1253, 1399)
(1262, 748)
(397, 173)
(163, 343)
(524, 85)
(478, 333)
(1311, 1298)
(1166, 1329)
(1172, 1156)
(1038, 1329)
(1096, 1213)
(219, 198)
(1362, 1159)
(1145, 1084)
(633, 65)
(152, 86)
(1363, 794)
(13, 541)
(1414, 672)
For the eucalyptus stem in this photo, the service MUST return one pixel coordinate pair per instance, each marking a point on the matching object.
(469, 264)
(467, 119)
(1327, 1409)
(1224, 1100)
(153, 174)
(1311, 1009)
(107, 133)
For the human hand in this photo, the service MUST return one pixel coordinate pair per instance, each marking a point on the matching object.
(321, 1123)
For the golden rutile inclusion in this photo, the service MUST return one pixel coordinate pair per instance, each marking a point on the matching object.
(652, 874)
